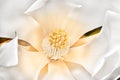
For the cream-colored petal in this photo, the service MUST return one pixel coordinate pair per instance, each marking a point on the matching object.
(31, 32)
(8, 53)
(31, 62)
(10, 13)
(58, 70)
(79, 72)
(27, 29)
(54, 14)
(42, 74)
(84, 40)
(87, 55)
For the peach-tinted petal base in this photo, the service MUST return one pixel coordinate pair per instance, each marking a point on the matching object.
(31, 62)
(58, 70)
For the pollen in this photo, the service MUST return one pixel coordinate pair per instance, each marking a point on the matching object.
(58, 39)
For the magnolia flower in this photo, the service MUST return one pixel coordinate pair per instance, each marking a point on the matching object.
(55, 41)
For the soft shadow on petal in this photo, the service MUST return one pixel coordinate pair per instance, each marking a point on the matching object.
(79, 72)
(92, 12)
(115, 6)
(84, 40)
(40, 3)
(58, 70)
(31, 62)
(110, 62)
(30, 31)
(11, 73)
(114, 23)
(8, 53)
(27, 29)
(42, 73)
(88, 54)
(10, 13)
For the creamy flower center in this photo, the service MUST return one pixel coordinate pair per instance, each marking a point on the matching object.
(56, 44)
(58, 39)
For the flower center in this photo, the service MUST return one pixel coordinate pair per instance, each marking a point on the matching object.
(56, 44)
(58, 39)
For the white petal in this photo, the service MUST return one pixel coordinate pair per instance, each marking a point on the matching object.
(11, 73)
(110, 62)
(92, 13)
(114, 24)
(115, 6)
(30, 63)
(10, 15)
(9, 53)
(57, 70)
(40, 3)
(114, 72)
(79, 72)
(30, 32)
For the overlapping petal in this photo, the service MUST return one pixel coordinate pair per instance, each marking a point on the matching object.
(58, 70)
(87, 55)
(79, 72)
(8, 53)
(10, 14)
(31, 62)
(109, 63)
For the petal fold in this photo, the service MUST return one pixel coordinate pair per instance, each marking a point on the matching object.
(30, 63)
(79, 72)
(9, 53)
(88, 54)
(111, 60)
(58, 70)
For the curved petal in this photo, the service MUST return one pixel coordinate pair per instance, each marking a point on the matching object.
(79, 72)
(30, 32)
(109, 63)
(31, 62)
(42, 74)
(57, 70)
(27, 29)
(9, 53)
(87, 55)
(92, 13)
(10, 15)
(114, 23)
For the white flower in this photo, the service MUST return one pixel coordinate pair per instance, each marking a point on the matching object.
(52, 45)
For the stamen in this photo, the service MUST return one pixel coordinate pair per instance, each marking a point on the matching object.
(56, 44)
(58, 39)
